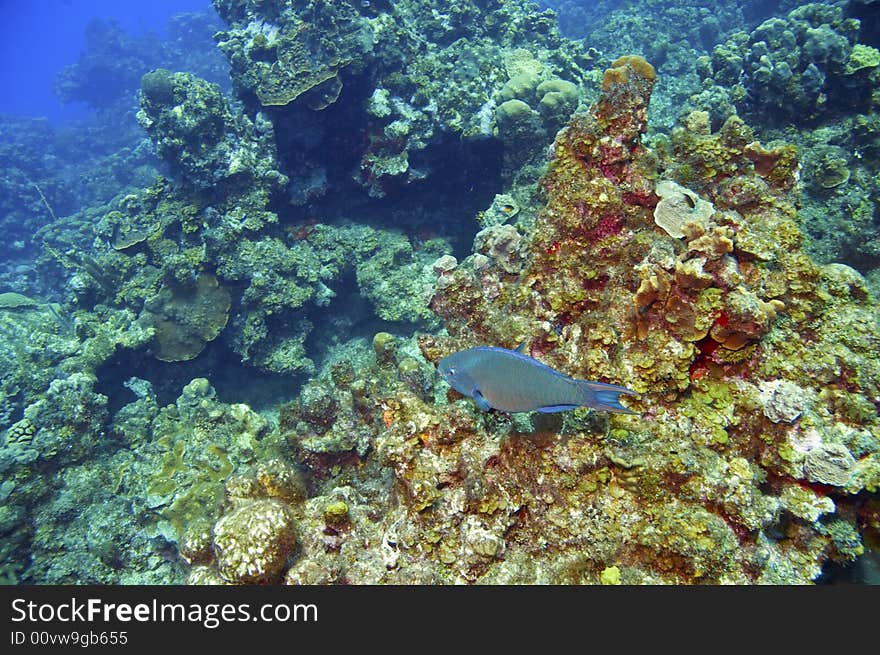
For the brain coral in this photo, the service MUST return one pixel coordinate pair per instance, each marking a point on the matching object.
(254, 541)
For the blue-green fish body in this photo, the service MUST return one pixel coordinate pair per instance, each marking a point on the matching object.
(511, 381)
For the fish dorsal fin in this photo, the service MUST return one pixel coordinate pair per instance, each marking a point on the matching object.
(521, 348)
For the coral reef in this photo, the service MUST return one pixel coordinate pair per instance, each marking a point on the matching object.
(758, 431)
(55, 170)
(112, 63)
(42, 346)
(818, 68)
(428, 74)
(291, 54)
(254, 538)
(709, 296)
(674, 35)
(207, 145)
(675, 261)
(803, 66)
(839, 183)
(125, 491)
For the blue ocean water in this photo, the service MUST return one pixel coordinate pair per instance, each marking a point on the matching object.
(239, 236)
(38, 38)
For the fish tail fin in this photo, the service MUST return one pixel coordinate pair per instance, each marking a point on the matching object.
(604, 397)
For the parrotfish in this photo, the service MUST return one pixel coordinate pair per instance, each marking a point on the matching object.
(511, 381)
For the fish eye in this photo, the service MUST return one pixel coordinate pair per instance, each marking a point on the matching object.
(451, 372)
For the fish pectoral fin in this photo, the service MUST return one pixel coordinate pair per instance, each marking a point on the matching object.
(482, 403)
(551, 409)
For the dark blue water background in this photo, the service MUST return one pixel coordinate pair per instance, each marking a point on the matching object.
(39, 37)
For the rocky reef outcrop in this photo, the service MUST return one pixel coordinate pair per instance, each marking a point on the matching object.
(755, 453)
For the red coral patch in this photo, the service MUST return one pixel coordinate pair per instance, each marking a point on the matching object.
(606, 227)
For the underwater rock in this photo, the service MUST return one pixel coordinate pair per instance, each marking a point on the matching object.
(185, 453)
(385, 347)
(828, 168)
(68, 418)
(746, 318)
(280, 479)
(417, 376)
(697, 329)
(280, 60)
(285, 279)
(342, 373)
(518, 125)
(504, 207)
(862, 57)
(444, 265)
(805, 503)
(461, 64)
(317, 404)
(504, 244)
(202, 139)
(443, 268)
(397, 280)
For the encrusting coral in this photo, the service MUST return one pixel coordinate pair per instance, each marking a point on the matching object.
(185, 319)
